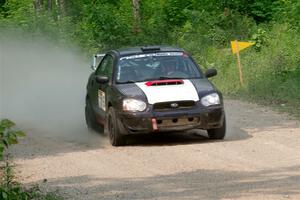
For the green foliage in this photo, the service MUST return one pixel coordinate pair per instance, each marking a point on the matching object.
(103, 24)
(261, 10)
(17, 14)
(107, 26)
(17, 192)
(9, 188)
(174, 11)
(271, 75)
(288, 11)
(205, 28)
(13, 193)
(260, 38)
(153, 24)
(8, 135)
(216, 28)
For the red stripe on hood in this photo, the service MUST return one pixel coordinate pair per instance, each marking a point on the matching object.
(169, 81)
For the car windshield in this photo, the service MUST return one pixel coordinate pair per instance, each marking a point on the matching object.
(156, 66)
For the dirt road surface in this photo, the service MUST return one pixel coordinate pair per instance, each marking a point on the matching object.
(259, 159)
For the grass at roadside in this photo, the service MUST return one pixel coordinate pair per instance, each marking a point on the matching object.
(17, 192)
(289, 107)
(10, 189)
(271, 70)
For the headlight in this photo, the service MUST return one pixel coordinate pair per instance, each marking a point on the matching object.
(133, 105)
(211, 99)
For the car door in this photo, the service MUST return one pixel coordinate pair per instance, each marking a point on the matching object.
(99, 90)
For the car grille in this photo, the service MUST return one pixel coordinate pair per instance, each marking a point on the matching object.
(164, 106)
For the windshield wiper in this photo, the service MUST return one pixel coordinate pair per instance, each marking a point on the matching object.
(195, 77)
(124, 82)
(167, 77)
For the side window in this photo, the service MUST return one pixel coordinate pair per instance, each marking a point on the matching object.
(105, 67)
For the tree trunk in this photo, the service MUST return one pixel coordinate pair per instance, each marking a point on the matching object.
(137, 16)
(49, 5)
(62, 5)
(37, 4)
(57, 7)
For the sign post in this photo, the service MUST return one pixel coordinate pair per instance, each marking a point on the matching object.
(236, 47)
(239, 62)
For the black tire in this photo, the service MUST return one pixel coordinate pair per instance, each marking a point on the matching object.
(217, 133)
(90, 117)
(115, 135)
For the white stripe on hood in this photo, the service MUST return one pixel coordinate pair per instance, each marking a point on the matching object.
(163, 93)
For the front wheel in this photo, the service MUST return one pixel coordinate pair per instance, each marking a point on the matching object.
(114, 129)
(218, 133)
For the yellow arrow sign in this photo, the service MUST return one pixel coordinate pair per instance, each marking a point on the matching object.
(238, 46)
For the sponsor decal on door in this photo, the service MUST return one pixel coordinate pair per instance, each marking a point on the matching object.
(101, 100)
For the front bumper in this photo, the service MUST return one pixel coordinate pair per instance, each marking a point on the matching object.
(173, 120)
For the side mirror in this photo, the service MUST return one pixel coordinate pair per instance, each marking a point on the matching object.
(102, 79)
(210, 73)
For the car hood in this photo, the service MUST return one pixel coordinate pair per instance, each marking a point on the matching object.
(131, 90)
(169, 90)
(190, 89)
(203, 86)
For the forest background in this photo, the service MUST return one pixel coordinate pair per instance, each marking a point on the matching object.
(203, 27)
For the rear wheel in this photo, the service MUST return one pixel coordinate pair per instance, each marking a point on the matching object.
(218, 133)
(114, 130)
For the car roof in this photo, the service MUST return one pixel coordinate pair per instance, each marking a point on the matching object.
(145, 49)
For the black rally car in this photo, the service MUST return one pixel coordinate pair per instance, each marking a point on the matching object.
(152, 89)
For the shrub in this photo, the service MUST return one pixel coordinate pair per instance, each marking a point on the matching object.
(8, 135)
(9, 188)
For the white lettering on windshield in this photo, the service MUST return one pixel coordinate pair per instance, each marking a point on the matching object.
(152, 55)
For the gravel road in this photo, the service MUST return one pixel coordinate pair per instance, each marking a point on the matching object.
(259, 159)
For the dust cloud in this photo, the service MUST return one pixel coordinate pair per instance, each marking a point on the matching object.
(42, 87)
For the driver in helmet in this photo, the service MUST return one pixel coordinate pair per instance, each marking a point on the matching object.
(169, 67)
